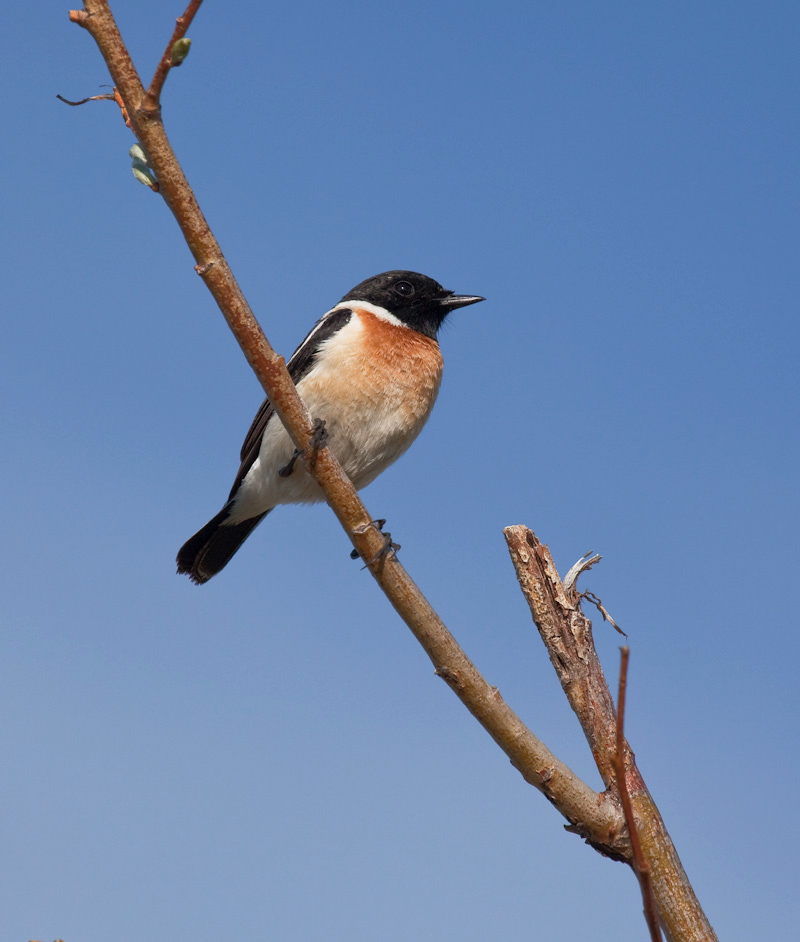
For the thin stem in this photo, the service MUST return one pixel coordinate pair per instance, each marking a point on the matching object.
(109, 96)
(182, 24)
(640, 865)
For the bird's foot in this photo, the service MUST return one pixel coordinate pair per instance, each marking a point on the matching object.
(319, 438)
(388, 550)
(287, 469)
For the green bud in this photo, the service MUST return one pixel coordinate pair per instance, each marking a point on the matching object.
(144, 175)
(138, 154)
(180, 50)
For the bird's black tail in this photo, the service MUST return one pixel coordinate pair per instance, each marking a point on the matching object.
(211, 548)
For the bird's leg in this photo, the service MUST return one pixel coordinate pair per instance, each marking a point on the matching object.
(319, 439)
(388, 549)
(287, 469)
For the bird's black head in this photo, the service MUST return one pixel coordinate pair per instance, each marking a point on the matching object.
(418, 301)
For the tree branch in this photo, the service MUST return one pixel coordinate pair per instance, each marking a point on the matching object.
(567, 635)
(597, 817)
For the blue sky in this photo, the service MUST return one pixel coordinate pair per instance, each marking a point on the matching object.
(270, 756)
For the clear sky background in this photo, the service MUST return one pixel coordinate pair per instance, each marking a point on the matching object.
(270, 756)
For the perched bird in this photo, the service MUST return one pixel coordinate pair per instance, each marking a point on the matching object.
(370, 370)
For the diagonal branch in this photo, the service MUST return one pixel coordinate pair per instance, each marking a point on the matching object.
(567, 635)
(597, 817)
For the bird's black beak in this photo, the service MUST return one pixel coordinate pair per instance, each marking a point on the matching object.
(452, 301)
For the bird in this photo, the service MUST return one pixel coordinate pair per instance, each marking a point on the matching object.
(368, 372)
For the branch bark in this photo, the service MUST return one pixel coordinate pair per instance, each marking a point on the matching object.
(567, 635)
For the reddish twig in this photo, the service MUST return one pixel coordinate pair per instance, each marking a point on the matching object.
(152, 99)
(640, 865)
(123, 109)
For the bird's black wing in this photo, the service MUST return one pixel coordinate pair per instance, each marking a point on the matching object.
(299, 366)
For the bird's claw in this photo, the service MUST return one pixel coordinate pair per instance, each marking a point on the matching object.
(287, 469)
(319, 438)
(389, 549)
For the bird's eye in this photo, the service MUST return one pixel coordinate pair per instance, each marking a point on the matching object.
(404, 288)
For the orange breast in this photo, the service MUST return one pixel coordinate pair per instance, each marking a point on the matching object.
(405, 365)
(375, 387)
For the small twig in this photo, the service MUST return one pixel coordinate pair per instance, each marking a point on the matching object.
(570, 585)
(583, 565)
(107, 97)
(571, 579)
(152, 99)
(591, 597)
(113, 95)
(640, 865)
